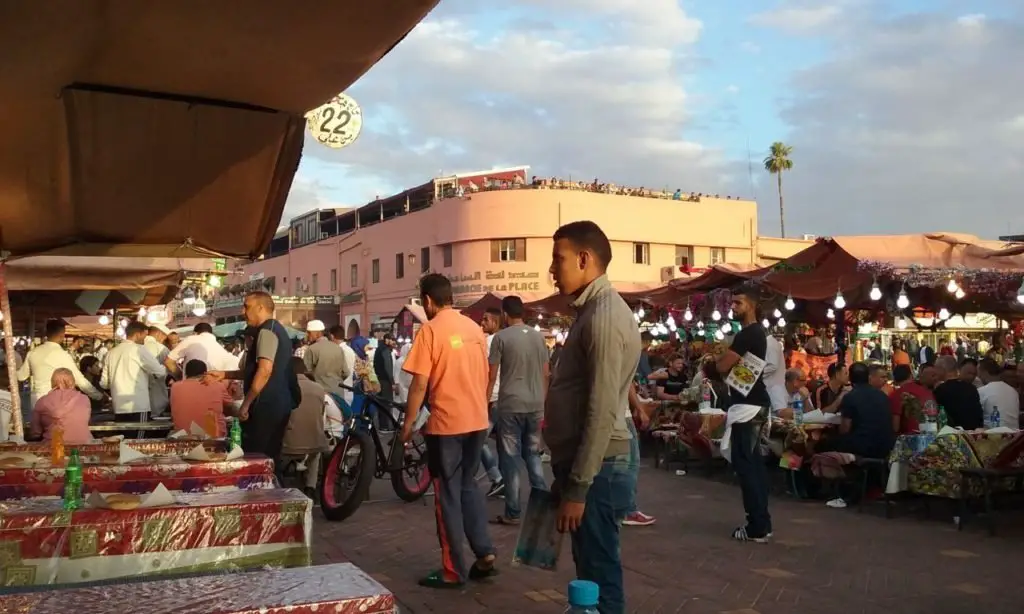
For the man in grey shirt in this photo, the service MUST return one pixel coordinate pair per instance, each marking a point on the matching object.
(324, 360)
(520, 354)
(585, 411)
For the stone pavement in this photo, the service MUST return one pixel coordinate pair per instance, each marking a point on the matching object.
(821, 561)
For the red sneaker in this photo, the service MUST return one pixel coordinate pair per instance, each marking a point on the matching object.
(639, 519)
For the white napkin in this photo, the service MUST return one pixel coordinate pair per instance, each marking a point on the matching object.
(710, 411)
(158, 498)
(1000, 429)
(738, 414)
(127, 454)
(197, 431)
(181, 434)
(23, 458)
(819, 417)
(949, 430)
(199, 453)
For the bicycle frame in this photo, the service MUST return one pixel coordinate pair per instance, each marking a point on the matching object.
(362, 419)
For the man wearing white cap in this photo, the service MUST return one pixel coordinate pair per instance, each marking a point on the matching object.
(324, 359)
(159, 399)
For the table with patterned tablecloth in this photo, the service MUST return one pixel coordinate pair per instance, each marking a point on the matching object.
(42, 544)
(253, 471)
(154, 447)
(341, 588)
(929, 464)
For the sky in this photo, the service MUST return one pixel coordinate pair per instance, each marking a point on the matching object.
(904, 116)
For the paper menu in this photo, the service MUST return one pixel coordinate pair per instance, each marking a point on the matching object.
(199, 453)
(180, 434)
(127, 454)
(540, 543)
(197, 431)
(745, 373)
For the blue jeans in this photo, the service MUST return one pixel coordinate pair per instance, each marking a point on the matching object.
(519, 436)
(634, 456)
(487, 458)
(595, 546)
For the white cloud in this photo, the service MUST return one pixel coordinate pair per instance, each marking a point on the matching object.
(799, 17)
(590, 88)
(908, 129)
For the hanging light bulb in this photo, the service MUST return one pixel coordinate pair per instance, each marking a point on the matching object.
(901, 323)
(640, 312)
(142, 312)
(687, 315)
(876, 292)
(790, 304)
(716, 315)
(700, 324)
(959, 294)
(214, 281)
(943, 314)
(104, 320)
(121, 332)
(952, 286)
(840, 302)
(719, 335)
(540, 317)
(776, 314)
(672, 326)
(727, 328)
(831, 315)
(670, 321)
(188, 297)
(730, 315)
(902, 301)
(765, 323)
(1020, 293)
(199, 308)
(781, 322)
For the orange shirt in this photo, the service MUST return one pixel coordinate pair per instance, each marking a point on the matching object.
(192, 401)
(899, 357)
(451, 351)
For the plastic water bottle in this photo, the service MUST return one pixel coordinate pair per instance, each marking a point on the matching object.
(798, 410)
(583, 596)
(993, 420)
(705, 395)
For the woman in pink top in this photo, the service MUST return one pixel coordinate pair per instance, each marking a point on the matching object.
(63, 407)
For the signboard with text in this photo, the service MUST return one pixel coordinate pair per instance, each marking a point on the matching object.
(509, 282)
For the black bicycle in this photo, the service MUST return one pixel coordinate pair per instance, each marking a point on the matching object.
(359, 456)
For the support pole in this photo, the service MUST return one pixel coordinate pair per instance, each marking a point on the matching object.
(16, 427)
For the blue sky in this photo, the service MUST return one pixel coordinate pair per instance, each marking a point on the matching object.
(875, 96)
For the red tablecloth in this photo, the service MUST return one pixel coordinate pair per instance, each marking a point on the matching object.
(146, 446)
(341, 588)
(254, 471)
(41, 544)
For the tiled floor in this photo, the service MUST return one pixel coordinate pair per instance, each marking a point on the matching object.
(821, 561)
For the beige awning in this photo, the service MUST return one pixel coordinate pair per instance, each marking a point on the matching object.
(170, 129)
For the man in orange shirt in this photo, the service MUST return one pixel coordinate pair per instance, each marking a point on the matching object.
(449, 366)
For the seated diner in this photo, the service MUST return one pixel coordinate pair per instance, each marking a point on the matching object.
(866, 427)
(194, 401)
(64, 408)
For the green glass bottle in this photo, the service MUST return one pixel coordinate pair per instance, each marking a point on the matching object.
(943, 421)
(73, 482)
(236, 434)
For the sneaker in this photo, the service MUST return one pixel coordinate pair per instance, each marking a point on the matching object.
(639, 519)
(838, 503)
(740, 534)
(496, 489)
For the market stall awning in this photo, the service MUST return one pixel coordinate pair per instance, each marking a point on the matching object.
(144, 129)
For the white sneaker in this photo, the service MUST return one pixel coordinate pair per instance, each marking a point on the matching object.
(837, 503)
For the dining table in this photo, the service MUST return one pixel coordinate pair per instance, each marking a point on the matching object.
(103, 473)
(137, 430)
(42, 544)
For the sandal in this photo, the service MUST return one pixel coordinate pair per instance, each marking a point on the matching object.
(506, 521)
(483, 568)
(436, 579)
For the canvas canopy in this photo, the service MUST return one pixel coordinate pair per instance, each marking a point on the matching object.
(145, 129)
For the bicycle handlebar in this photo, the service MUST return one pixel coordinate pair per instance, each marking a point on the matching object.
(376, 398)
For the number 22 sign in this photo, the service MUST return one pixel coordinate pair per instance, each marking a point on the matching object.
(337, 123)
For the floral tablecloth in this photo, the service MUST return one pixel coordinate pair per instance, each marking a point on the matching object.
(253, 471)
(341, 588)
(930, 465)
(42, 544)
(146, 446)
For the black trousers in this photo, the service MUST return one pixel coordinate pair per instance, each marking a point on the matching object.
(263, 433)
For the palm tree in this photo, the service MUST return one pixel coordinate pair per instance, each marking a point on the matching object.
(776, 162)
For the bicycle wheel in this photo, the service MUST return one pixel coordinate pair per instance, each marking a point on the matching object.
(412, 481)
(347, 477)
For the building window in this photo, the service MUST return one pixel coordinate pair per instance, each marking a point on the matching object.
(399, 266)
(641, 253)
(424, 259)
(334, 280)
(298, 286)
(717, 255)
(446, 255)
(684, 256)
(375, 270)
(353, 272)
(508, 250)
(316, 284)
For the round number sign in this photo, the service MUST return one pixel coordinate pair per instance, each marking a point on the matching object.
(336, 124)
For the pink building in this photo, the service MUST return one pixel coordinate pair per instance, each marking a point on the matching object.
(488, 232)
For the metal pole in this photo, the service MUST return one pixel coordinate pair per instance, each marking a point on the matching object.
(16, 427)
